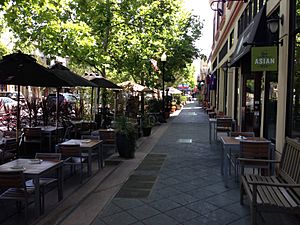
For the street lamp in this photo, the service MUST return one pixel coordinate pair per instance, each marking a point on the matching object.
(163, 59)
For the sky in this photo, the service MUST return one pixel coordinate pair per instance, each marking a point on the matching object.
(202, 8)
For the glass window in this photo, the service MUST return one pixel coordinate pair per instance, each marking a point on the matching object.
(231, 39)
(294, 119)
(296, 89)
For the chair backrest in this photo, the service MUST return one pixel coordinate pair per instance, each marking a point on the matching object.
(8, 133)
(224, 122)
(32, 132)
(290, 162)
(93, 137)
(10, 145)
(105, 135)
(88, 126)
(12, 179)
(240, 133)
(255, 149)
(48, 156)
(69, 150)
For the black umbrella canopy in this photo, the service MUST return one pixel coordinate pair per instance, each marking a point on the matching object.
(22, 69)
(70, 77)
(101, 81)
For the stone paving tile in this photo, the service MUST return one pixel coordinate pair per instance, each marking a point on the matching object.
(183, 198)
(160, 219)
(121, 218)
(143, 212)
(237, 208)
(111, 209)
(168, 192)
(98, 221)
(164, 205)
(125, 203)
(222, 215)
(220, 200)
(202, 207)
(202, 220)
(182, 214)
(200, 193)
(185, 187)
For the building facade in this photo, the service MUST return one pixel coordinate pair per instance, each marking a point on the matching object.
(257, 66)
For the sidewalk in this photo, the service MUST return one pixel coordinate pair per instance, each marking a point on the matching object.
(174, 179)
(179, 182)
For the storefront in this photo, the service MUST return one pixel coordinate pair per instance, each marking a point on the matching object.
(293, 100)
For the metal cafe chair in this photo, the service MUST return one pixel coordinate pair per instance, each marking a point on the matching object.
(233, 157)
(32, 136)
(95, 153)
(223, 125)
(14, 186)
(45, 181)
(250, 153)
(72, 156)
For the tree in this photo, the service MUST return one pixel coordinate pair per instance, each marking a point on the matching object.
(116, 38)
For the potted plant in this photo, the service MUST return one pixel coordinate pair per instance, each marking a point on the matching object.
(126, 135)
(147, 125)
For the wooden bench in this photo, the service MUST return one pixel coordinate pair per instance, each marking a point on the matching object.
(279, 193)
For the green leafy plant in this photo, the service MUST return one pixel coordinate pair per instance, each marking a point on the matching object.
(126, 137)
(147, 121)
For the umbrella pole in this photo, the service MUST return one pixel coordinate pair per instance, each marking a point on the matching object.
(98, 99)
(57, 105)
(18, 119)
(115, 105)
(92, 103)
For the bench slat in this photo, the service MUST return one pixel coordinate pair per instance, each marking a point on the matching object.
(264, 192)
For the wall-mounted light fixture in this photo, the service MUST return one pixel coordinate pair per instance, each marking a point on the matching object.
(273, 23)
(226, 66)
(216, 5)
(273, 26)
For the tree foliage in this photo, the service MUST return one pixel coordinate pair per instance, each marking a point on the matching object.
(114, 37)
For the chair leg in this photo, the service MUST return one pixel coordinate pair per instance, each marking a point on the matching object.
(26, 211)
(81, 170)
(241, 194)
(253, 214)
(42, 199)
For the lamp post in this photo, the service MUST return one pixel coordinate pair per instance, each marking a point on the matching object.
(163, 59)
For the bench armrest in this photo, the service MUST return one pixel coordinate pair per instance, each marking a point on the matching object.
(258, 160)
(274, 184)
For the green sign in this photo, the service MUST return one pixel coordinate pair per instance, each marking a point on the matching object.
(264, 58)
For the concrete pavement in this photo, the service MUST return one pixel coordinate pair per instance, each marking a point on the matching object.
(188, 188)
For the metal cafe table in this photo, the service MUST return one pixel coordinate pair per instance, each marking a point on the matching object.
(35, 171)
(88, 145)
(231, 144)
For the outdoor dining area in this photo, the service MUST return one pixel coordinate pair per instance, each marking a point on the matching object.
(50, 142)
(236, 144)
(43, 146)
(270, 183)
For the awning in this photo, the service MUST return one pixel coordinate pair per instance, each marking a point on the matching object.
(250, 35)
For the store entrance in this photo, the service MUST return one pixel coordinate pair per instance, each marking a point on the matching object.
(252, 102)
(270, 112)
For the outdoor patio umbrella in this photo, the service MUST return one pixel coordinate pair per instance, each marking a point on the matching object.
(102, 82)
(23, 70)
(174, 91)
(72, 79)
(134, 87)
